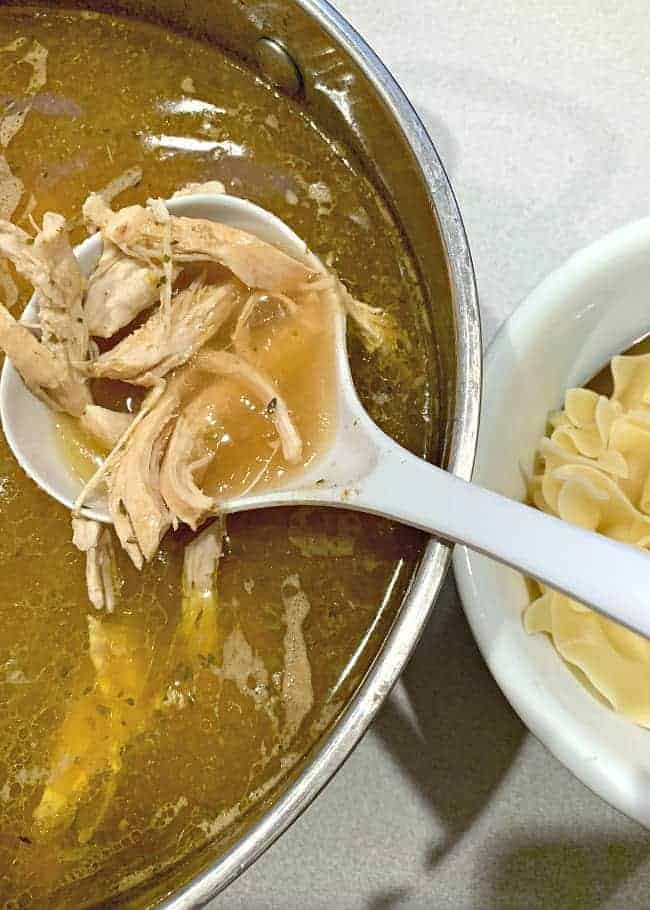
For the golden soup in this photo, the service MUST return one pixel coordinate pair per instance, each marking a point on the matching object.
(169, 748)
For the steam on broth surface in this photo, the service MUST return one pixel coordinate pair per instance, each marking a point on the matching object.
(183, 741)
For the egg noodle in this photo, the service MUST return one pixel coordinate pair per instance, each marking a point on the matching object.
(593, 470)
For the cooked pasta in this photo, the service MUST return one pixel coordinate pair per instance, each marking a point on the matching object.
(593, 470)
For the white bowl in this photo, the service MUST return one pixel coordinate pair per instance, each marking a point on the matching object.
(596, 305)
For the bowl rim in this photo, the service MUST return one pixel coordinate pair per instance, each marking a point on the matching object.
(600, 768)
(334, 748)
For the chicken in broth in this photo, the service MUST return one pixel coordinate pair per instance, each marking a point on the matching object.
(287, 347)
(140, 739)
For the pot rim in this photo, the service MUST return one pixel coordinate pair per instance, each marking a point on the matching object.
(335, 747)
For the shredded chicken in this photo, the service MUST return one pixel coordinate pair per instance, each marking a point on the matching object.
(110, 462)
(102, 578)
(61, 288)
(120, 289)
(224, 364)
(11, 190)
(297, 686)
(126, 690)
(87, 748)
(157, 457)
(375, 325)
(159, 346)
(197, 634)
(186, 457)
(28, 210)
(124, 181)
(11, 187)
(160, 214)
(96, 212)
(106, 426)
(258, 264)
(44, 374)
(151, 481)
(198, 625)
(36, 57)
(201, 558)
(8, 286)
(215, 187)
(14, 45)
(12, 123)
(49, 264)
(139, 513)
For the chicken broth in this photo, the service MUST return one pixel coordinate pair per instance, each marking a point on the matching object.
(130, 741)
(298, 351)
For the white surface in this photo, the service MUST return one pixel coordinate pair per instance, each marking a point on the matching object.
(541, 112)
(557, 339)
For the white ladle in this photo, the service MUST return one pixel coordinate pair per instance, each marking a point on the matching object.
(365, 469)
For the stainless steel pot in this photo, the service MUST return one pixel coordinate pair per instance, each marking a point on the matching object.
(310, 51)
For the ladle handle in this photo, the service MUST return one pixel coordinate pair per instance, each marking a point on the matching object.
(612, 578)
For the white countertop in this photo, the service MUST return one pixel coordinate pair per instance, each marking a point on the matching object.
(541, 114)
